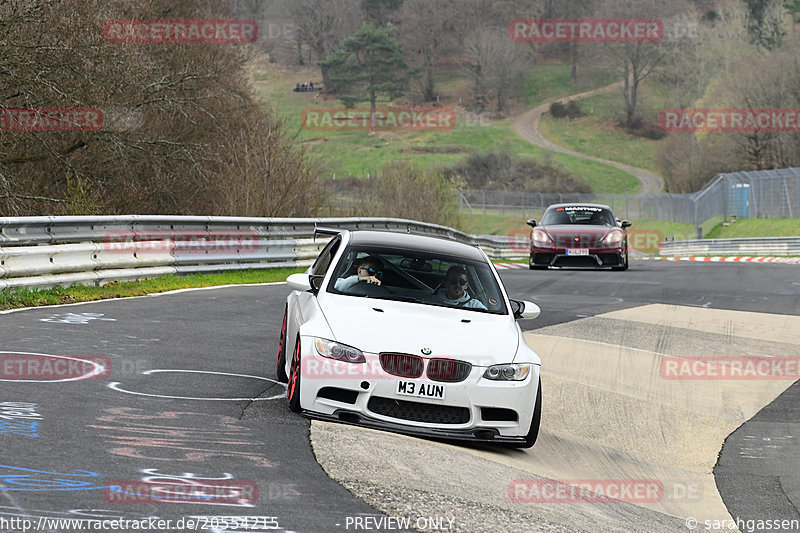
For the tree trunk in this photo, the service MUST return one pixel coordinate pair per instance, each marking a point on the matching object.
(626, 92)
(573, 52)
(430, 83)
(372, 111)
(299, 43)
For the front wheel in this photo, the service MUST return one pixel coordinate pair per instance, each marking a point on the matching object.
(534, 266)
(281, 371)
(624, 266)
(293, 388)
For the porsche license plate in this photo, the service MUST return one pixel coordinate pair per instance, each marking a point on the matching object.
(577, 251)
(421, 390)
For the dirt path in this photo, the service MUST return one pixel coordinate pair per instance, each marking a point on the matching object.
(527, 126)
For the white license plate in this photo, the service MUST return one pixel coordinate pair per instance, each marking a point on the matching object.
(421, 390)
(577, 251)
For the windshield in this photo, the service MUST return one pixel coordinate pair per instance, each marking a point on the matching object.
(419, 277)
(583, 215)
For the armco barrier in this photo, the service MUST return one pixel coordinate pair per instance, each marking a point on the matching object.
(773, 246)
(94, 250)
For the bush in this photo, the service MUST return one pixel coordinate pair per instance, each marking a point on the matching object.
(501, 171)
(558, 110)
(403, 190)
(400, 190)
(574, 109)
(571, 110)
(645, 129)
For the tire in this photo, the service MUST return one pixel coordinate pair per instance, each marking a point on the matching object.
(293, 388)
(623, 267)
(533, 432)
(281, 370)
(533, 266)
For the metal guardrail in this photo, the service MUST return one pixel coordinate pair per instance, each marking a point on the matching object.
(94, 250)
(773, 246)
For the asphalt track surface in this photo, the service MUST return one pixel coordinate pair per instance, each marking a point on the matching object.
(191, 400)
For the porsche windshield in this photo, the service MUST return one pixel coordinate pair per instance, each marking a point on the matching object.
(582, 215)
(418, 277)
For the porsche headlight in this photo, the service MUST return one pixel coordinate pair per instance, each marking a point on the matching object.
(510, 372)
(614, 238)
(340, 352)
(541, 238)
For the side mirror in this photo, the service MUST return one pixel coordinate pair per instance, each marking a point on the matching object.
(531, 222)
(299, 282)
(626, 224)
(524, 310)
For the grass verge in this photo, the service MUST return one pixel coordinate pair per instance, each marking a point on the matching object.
(14, 298)
(757, 227)
(597, 133)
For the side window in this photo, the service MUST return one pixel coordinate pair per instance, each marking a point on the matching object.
(322, 263)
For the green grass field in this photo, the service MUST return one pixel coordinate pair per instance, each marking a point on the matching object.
(546, 82)
(359, 153)
(597, 133)
(757, 227)
(22, 297)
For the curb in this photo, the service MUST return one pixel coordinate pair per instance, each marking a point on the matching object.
(507, 266)
(728, 259)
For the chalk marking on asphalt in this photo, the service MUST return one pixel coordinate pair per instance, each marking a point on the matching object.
(114, 385)
(99, 369)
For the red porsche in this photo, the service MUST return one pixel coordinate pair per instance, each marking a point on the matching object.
(579, 235)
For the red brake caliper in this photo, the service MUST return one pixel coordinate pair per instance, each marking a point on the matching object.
(295, 370)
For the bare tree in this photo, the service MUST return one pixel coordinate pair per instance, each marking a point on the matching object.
(494, 62)
(323, 25)
(429, 29)
(637, 61)
(164, 145)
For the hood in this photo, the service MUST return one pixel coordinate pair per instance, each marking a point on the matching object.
(408, 328)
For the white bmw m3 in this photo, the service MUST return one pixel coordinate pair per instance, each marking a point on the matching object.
(411, 334)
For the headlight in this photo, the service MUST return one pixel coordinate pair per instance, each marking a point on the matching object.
(340, 352)
(510, 372)
(613, 238)
(540, 237)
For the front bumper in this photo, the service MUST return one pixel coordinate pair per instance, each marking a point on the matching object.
(490, 436)
(561, 257)
(475, 409)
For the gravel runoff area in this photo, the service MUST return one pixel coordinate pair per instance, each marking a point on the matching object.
(599, 422)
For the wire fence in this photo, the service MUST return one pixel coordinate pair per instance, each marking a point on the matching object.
(753, 194)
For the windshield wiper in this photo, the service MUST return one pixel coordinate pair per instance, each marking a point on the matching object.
(412, 299)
